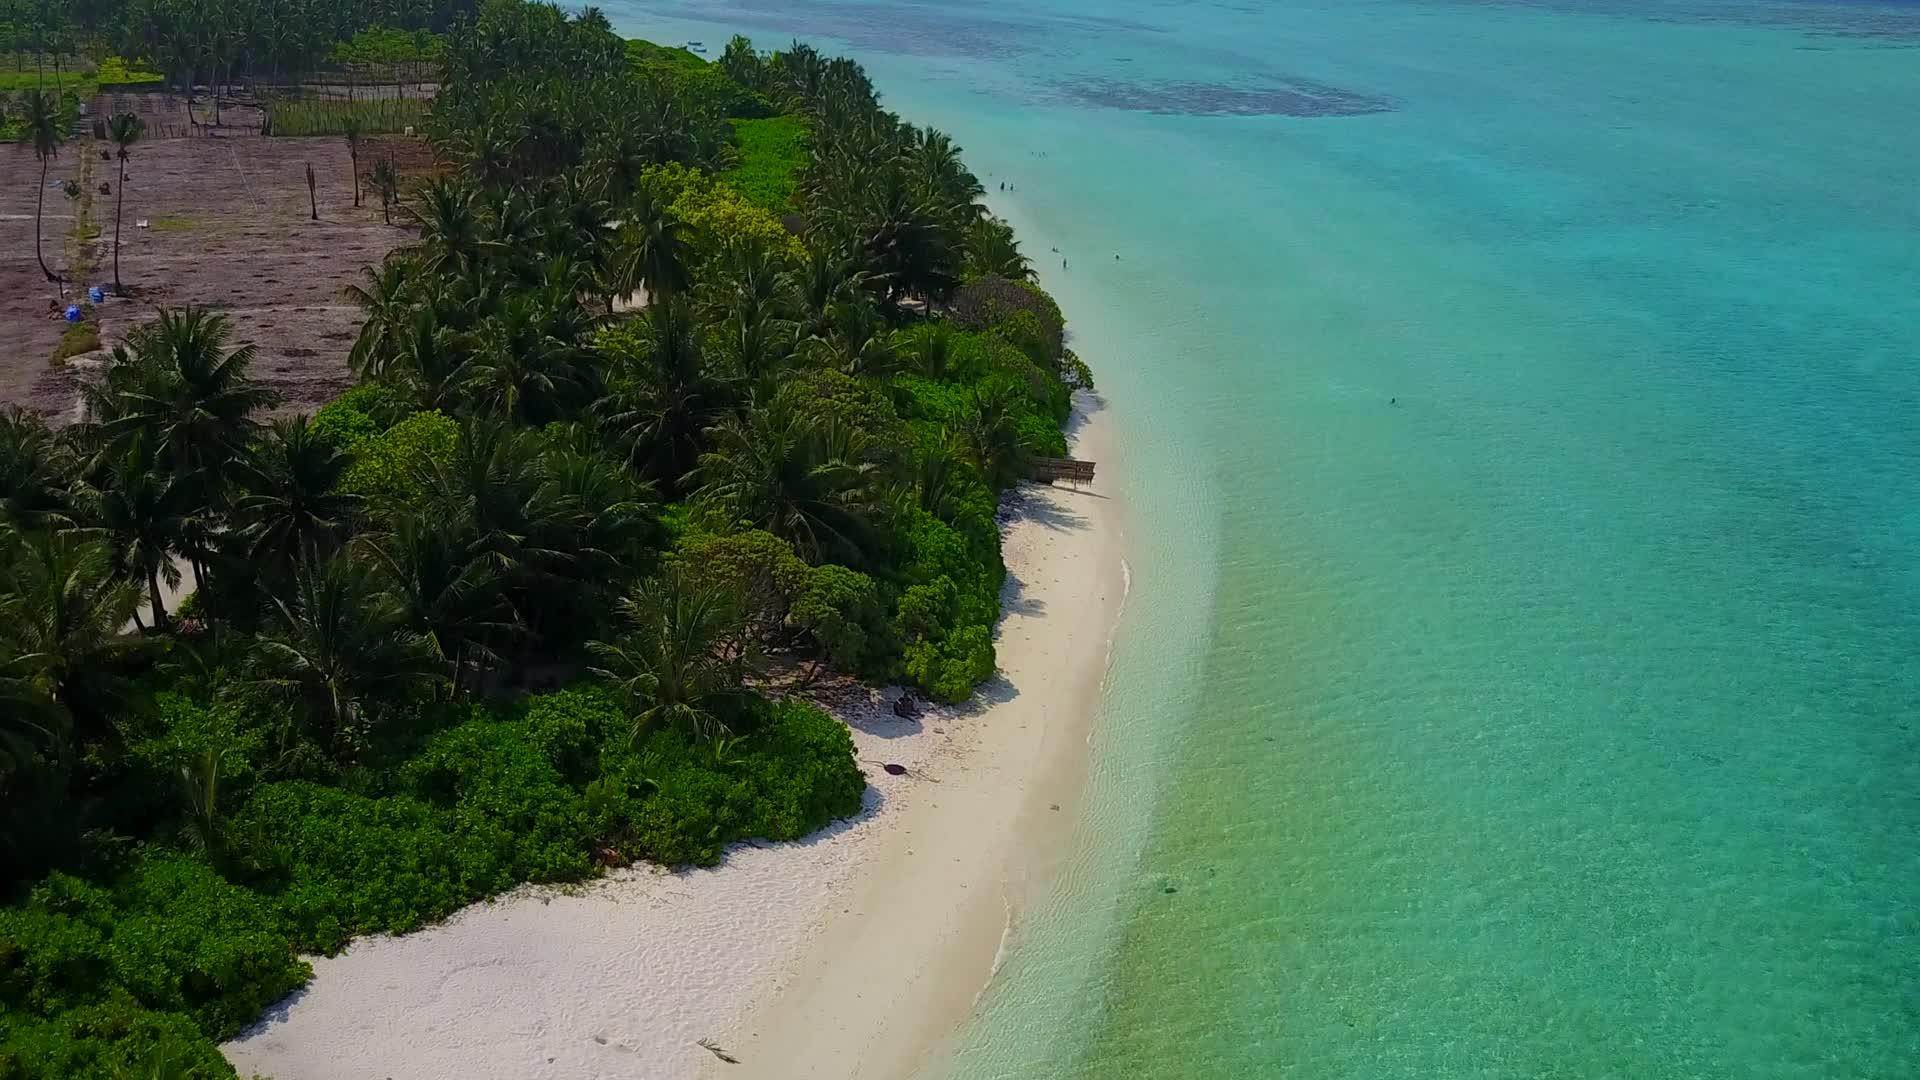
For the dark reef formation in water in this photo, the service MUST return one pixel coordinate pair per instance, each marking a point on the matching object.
(1271, 97)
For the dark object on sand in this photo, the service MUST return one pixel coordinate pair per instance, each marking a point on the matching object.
(904, 707)
(894, 768)
(714, 1048)
(106, 188)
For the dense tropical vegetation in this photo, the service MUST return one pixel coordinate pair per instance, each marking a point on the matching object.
(690, 369)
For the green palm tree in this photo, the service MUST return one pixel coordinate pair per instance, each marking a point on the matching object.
(177, 387)
(826, 278)
(524, 365)
(661, 397)
(651, 254)
(991, 428)
(31, 725)
(289, 507)
(146, 516)
(35, 474)
(857, 342)
(62, 635)
(816, 482)
(337, 644)
(596, 527)
(449, 588)
(388, 297)
(668, 665)
(901, 229)
(431, 364)
(124, 129)
(41, 129)
(991, 251)
(447, 213)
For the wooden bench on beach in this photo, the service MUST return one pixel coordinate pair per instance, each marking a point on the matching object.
(1048, 470)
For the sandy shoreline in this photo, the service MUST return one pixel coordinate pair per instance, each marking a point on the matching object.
(853, 953)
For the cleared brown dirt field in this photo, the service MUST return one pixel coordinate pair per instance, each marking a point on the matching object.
(27, 336)
(229, 229)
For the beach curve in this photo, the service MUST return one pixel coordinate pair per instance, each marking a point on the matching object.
(903, 961)
(776, 957)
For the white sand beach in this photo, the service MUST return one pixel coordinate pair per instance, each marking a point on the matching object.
(852, 953)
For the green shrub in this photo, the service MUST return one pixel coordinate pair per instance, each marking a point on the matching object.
(840, 609)
(171, 936)
(342, 864)
(697, 83)
(990, 301)
(772, 153)
(568, 726)
(77, 338)
(854, 402)
(757, 571)
(192, 942)
(113, 1038)
(715, 215)
(679, 803)
(359, 414)
(114, 71)
(385, 465)
(804, 770)
(944, 618)
(503, 789)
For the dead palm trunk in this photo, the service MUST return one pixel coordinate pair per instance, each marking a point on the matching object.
(39, 207)
(154, 597)
(119, 200)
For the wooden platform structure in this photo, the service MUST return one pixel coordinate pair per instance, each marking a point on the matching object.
(1048, 470)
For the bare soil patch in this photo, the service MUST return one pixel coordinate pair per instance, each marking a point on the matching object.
(229, 228)
(28, 335)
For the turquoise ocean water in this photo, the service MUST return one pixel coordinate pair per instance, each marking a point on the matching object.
(1518, 408)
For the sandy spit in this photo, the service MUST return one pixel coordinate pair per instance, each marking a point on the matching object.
(852, 953)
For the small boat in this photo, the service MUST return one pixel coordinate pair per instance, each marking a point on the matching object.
(694, 46)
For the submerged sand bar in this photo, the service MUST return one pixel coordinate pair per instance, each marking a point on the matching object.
(852, 953)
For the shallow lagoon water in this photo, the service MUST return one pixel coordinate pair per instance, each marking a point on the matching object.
(1519, 411)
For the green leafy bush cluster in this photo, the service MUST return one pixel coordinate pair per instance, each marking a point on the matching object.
(360, 413)
(989, 302)
(115, 71)
(384, 45)
(96, 980)
(994, 390)
(384, 465)
(776, 597)
(101, 973)
(715, 215)
(670, 800)
(772, 153)
(945, 617)
(694, 80)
